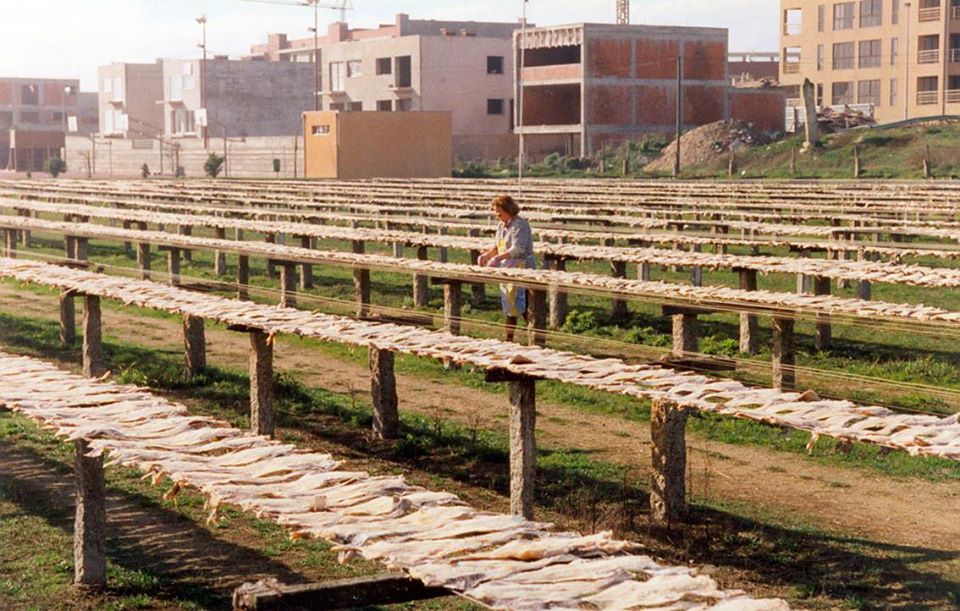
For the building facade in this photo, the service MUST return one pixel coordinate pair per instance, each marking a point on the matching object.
(897, 58)
(129, 96)
(233, 98)
(462, 67)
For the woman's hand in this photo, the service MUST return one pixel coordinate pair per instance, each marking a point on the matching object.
(483, 259)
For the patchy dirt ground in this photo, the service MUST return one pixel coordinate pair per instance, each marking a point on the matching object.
(850, 503)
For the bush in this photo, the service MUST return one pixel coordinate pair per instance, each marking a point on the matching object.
(55, 166)
(579, 321)
(213, 165)
(145, 171)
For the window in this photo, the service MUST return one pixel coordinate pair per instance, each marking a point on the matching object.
(6, 119)
(108, 122)
(404, 71)
(792, 21)
(927, 89)
(494, 64)
(821, 57)
(30, 95)
(843, 15)
(819, 101)
(29, 116)
(58, 116)
(929, 51)
(338, 74)
(338, 106)
(843, 55)
(353, 68)
(842, 94)
(894, 51)
(894, 14)
(320, 130)
(494, 107)
(405, 105)
(189, 82)
(384, 66)
(384, 105)
(868, 92)
(870, 53)
(175, 86)
(871, 13)
(107, 85)
(894, 87)
(821, 17)
(356, 106)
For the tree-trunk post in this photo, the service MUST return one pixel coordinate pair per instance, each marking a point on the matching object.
(10, 243)
(864, 288)
(243, 278)
(90, 520)
(186, 230)
(537, 323)
(696, 273)
(93, 365)
(143, 259)
(306, 269)
(261, 383)
(784, 355)
(383, 385)
(421, 288)
(194, 345)
(685, 334)
(444, 255)
(220, 257)
(82, 246)
(288, 285)
(558, 301)
(68, 318)
(477, 289)
(452, 307)
(668, 502)
(271, 238)
(749, 323)
(824, 330)
(619, 306)
(173, 266)
(523, 447)
(361, 282)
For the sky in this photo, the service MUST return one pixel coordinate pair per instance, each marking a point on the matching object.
(70, 38)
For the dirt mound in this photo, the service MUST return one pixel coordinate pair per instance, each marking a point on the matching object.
(708, 143)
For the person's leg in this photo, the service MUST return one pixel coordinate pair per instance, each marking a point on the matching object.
(510, 328)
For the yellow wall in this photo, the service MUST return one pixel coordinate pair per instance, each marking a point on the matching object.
(379, 145)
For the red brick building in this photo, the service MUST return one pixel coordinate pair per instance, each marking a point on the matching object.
(595, 84)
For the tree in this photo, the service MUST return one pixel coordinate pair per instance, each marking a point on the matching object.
(145, 171)
(213, 165)
(55, 166)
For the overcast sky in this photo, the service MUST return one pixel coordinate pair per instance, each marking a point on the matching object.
(70, 38)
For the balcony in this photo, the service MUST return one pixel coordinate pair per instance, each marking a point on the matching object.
(928, 56)
(929, 14)
(925, 98)
(791, 67)
(953, 96)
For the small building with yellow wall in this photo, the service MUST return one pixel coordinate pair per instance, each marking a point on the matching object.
(356, 145)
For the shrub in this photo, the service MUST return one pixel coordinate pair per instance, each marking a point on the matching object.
(213, 165)
(55, 166)
(579, 321)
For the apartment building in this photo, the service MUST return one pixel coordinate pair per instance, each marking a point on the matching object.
(129, 96)
(234, 98)
(900, 59)
(462, 67)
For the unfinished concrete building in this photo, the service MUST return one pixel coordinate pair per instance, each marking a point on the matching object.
(129, 96)
(596, 84)
(458, 66)
(232, 98)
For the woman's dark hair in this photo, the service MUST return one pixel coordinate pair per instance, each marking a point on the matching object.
(506, 203)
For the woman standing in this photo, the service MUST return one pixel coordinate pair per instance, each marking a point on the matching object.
(514, 248)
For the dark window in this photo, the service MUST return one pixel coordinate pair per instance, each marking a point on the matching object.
(871, 13)
(870, 53)
(868, 92)
(843, 15)
(494, 64)
(494, 107)
(843, 53)
(30, 95)
(404, 76)
(384, 66)
(842, 94)
(384, 105)
(356, 106)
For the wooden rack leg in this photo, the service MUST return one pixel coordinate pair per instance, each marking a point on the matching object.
(864, 288)
(824, 330)
(696, 273)
(271, 238)
(558, 304)
(668, 501)
(306, 269)
(686, 331)
(537, 323)
(93, 366)
(749, 323)
(127, 245)
(444, 257)
(243, 278)
(288, 285)
(90, 520)
(383, 385)
(68, 318)
(784, 357)
(619, 270)
(452, 313)
(643, 272)
(261, 383)
(143, 260)
(194, 345)
(477, 289)
(421, 287)
(82, 246)
(523, 447)
(220, 257)
(186, 230)
(173, 266)
(10, 243)
(361, 283)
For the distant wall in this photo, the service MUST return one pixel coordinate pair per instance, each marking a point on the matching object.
(765, 108)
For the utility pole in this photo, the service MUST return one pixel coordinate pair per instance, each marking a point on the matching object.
(519, 79)
(202, 20)
(316, 54)
(679, 129)
(623, 12)
(906, 69)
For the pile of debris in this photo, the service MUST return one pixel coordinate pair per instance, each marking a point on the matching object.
(708, 143)
(834, 119)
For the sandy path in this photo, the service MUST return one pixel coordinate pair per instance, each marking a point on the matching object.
(851, 502)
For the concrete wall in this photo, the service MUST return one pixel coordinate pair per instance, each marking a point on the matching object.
(355, 145)
(368, 88)
(140, 90)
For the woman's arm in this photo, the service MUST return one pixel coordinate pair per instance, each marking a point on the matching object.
(485, 257)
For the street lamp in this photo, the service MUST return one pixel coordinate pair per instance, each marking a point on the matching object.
(202, 20)
(906, 69)
(316, 52)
